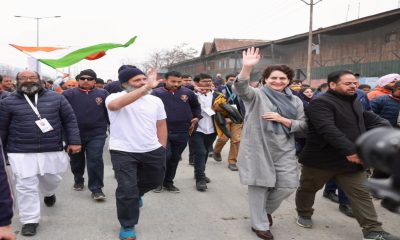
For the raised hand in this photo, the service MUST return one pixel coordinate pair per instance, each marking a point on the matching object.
(152, 79)
(251, 57)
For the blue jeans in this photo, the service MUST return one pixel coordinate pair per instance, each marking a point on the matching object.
(176, 143)
(92, 153)
(331, 187)
(201, 143)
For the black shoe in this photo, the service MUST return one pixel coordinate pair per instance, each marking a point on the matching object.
(210, 154)
(207, 179)
(382, 235)
(172, 188)
(331, 196)
(50, 201)
(233, 167)
(78, 186)
(29, 229)
(305, 222)
(158, 189)
(98, 196)
(346, 210)
(201, 185)
(217, 157)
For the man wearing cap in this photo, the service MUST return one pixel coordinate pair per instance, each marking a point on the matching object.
(385, 85)
(138, 138)
(88, 103)
(33, 121)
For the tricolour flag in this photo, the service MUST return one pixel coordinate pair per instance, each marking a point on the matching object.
(59, 57)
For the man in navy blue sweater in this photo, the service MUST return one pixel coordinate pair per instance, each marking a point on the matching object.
(183, 113)
(6, 202)
(87, 102)
(33, 122)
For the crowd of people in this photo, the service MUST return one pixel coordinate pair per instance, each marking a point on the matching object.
(272, 125)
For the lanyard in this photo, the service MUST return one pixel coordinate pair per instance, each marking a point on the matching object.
(231, 95)
(33, 107)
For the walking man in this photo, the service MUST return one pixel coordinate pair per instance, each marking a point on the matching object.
(205, 135)
(234, 128)
(33, 121)
(138, 138)
(183, 113)
(335, 120)
(88, 103)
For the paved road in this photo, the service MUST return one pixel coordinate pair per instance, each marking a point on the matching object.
(218, 214)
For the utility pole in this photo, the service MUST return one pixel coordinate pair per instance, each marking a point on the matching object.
(37, 31)
(309, 49)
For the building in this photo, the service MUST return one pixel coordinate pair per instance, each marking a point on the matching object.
(369, 46)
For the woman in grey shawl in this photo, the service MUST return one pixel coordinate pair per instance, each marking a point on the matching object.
(266, 160)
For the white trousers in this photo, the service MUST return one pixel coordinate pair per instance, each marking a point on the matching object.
(28, 194)
(263, 201)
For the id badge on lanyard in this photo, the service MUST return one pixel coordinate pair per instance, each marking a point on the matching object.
(42, 123)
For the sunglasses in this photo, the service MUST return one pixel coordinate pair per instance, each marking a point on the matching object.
(86, 78)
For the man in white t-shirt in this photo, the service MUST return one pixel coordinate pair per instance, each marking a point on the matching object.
(138, 137)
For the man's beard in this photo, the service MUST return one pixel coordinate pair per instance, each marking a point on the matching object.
(29, 89)
(129, 89)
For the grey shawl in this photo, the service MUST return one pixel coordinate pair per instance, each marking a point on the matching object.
(282, 101)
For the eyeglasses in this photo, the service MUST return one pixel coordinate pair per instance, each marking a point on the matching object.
(86, 78)
(34, 78)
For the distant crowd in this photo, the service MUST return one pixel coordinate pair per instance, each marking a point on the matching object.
(273, 125)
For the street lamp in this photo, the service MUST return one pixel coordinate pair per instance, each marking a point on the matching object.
(37, 30)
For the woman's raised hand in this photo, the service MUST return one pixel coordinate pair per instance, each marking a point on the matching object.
(251, 57)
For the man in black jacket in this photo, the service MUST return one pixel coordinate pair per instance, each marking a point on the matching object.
(335, 121)
(33, 121)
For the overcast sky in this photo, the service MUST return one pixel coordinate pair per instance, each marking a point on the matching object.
(162, 24)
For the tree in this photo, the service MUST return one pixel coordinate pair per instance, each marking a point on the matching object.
(163, 58)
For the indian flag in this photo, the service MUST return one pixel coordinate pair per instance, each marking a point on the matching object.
(59, 57)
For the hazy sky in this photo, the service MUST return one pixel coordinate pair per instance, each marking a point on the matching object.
(162, 24)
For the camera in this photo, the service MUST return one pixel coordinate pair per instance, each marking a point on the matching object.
(380, 149)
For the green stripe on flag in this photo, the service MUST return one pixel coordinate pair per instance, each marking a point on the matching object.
(82, 53)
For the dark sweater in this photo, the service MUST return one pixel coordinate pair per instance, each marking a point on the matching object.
(90, 110)
(6, 200)
(387, 107)
(334, 123)
(181, 107)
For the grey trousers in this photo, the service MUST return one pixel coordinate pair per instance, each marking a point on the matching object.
(263, 201)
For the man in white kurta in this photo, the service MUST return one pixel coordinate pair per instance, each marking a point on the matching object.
(33, 123)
